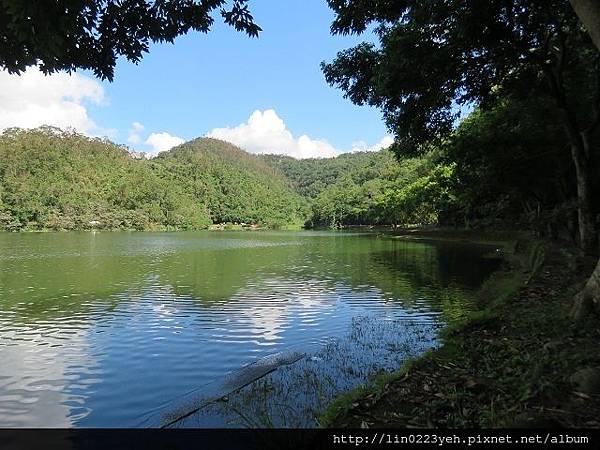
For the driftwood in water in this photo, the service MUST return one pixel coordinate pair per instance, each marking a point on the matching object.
(192, 402)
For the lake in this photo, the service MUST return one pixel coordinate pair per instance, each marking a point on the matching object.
(186, 329)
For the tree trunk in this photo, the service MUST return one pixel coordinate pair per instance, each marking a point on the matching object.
(588, 299)
(581, 155)
(588, 12)
(588, 237)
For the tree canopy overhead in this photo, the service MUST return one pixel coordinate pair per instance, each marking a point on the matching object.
(433, 54)
(92, 34)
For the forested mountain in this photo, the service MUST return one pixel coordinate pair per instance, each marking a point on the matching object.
(313, 175)
(51, 179)
(234, 185)
(366, 188)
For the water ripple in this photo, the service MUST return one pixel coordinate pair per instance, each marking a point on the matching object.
(98, 329)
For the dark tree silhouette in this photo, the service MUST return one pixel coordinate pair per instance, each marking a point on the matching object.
(92, 34)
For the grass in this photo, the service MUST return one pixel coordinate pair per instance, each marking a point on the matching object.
(498, 289)
(373, 389)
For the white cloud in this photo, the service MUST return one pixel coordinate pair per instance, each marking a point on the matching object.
(161, 142)
(135, 132)
(266, 132)
(362, 146)
(33, 99)
(155, 142)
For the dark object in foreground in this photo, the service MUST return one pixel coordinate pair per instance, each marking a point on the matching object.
(69, 35)
(289, 439)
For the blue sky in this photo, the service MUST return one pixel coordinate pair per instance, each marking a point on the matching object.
(218, 80)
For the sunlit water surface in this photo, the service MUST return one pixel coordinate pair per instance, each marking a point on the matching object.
(103, 329)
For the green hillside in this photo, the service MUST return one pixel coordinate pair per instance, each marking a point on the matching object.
(367, 188)
(311, 176)
(50, 179)
(234, 185)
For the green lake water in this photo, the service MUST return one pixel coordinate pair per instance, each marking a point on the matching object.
(147, 329)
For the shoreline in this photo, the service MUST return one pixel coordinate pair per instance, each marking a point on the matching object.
(519, 361)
